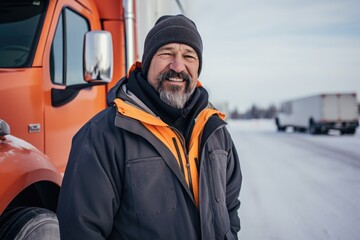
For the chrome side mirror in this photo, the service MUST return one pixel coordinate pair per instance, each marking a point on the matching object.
(98, 56)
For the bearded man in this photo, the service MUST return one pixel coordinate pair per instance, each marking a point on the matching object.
(158, 163)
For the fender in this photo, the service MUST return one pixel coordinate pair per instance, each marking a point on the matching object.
(21, 164)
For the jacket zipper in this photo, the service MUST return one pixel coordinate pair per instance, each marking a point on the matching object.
(187, 164)
(189, 173)
(179, 155)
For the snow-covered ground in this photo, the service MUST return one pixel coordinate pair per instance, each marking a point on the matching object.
(297, 186)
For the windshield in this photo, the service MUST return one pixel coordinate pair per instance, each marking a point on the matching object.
(20, 26)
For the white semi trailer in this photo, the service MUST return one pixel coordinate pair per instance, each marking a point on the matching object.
(320, 113)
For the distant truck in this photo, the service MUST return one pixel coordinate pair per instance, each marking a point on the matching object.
(318, 114)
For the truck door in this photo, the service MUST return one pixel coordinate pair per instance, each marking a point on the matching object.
(65, 71)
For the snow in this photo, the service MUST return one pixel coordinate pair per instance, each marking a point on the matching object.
(16, 144)
(295, 185)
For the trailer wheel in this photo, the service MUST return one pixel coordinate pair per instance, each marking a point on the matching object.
(29, 223)
(301, 129)
(350, 131)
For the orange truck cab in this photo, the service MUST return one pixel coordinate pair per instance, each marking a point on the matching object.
(51, 82)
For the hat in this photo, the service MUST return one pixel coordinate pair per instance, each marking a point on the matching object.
(171, 29)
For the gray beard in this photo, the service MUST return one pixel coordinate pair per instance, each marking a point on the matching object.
(174, 97)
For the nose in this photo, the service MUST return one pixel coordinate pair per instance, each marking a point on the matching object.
(177, 64)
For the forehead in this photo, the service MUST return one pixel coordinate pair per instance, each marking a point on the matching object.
(177, 47)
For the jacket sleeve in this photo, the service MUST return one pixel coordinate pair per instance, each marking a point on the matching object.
(233, 186)
(88, 198)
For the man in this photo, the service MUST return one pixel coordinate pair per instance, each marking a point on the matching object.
(158, 163)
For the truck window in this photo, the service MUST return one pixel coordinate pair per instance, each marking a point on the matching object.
(66, 60)
(20, 27)
(56, 58)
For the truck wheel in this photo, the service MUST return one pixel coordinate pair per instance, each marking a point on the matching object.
(281, 129)
(29, 223)
(278, 126)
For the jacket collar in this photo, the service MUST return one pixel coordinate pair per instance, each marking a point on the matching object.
(137, 87)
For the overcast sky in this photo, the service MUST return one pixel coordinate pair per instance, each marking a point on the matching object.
(265, 51)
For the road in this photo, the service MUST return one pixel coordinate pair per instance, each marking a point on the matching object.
(297, 186)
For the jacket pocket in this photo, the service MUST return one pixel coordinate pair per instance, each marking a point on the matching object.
(152, 186)
(218, 164)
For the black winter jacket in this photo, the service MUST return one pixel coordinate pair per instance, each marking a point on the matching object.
(122, 182)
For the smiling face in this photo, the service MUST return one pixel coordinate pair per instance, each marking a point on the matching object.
(173, 72)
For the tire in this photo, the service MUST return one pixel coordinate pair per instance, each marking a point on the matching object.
(350, 131)
(326, 131)
(29, 223)
(302, 129)
(278, 126)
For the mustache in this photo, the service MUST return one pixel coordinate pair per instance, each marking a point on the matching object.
(173, 74)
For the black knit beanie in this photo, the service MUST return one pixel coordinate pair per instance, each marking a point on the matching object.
(171, 29)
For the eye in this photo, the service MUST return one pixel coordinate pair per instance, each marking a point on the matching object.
(190, 58)
(165, 55)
